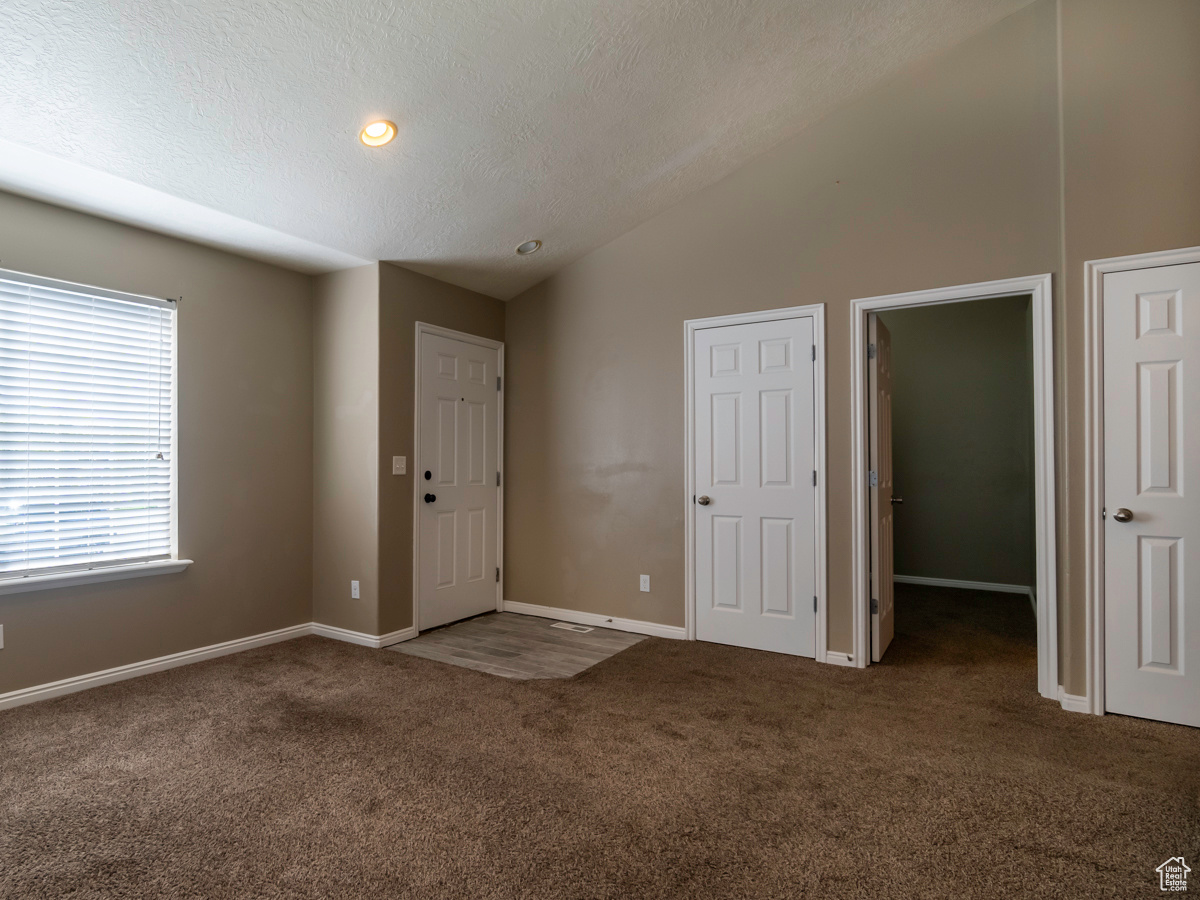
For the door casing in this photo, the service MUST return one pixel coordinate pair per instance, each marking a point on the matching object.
(498, 346)
(1093, 323)
(817, 312)
(1039, 287)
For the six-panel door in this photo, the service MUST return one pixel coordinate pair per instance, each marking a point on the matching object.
(1152, 469)
(755, 551)
(459, 449)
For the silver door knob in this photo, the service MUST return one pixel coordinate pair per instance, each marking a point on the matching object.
(703, 501)
(897, 499)
(1123, 515)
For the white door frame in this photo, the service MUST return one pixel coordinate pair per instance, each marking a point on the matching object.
(1093, 354)
(1039, 287)
(498, 346)
(817, 312)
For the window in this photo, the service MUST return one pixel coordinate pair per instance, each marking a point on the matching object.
(87, 383)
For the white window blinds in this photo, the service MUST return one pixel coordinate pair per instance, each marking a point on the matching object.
(86, 425)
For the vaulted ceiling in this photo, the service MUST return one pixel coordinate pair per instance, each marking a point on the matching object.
(235, 122)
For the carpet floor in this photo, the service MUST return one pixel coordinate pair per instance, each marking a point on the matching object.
(316, 769)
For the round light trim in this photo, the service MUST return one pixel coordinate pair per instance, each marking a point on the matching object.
(529, 247)
(376, 134)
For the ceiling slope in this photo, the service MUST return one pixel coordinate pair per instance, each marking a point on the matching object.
(234, 122)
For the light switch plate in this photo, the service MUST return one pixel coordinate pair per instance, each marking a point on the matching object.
(354, 590)
(645, 583)
(399, 465)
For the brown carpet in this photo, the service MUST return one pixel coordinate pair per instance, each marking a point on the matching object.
(316, 769)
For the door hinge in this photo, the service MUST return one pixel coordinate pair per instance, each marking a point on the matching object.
(814, 602)
(873, 478)
(497, 574)
(870, 351)
(814, 477)
(874, 606)
(497, 382)
(497, 479)
(1104, 512)
(814, 352)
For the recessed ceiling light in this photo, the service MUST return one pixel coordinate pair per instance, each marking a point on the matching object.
(529, 247)
(376, 134)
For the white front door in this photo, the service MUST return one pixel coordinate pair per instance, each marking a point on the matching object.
(1152, 493)
(457, 481)
(755, 500)
(879, 381)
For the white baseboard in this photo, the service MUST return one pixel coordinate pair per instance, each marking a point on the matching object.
(583, 618)
(965, 585)
(395, 637)
(133, 670)
(1073, 702)
(363, 640)
(187, 657)
(839, 659)
(1070, 702)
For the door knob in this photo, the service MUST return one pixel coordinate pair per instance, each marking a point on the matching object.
(703, 501)
(429, 498)
(1123, 515)
(897, 499)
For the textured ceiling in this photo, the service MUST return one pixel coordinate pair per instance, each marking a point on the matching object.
(557, 119)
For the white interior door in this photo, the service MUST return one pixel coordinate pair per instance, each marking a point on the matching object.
(755, 550)
(879, 381)
(457, 480)
(1151, 563)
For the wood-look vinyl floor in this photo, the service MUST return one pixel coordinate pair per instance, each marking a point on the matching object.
(518, 646)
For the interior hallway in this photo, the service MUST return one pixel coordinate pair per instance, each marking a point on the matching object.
(315, 768)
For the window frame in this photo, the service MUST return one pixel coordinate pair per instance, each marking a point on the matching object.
(118, 569)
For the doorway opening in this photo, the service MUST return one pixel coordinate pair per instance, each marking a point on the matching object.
(954, 460)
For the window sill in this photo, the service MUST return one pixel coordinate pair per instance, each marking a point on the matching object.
(92, 576)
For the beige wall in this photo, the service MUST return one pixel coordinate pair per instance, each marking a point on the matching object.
(345, 488)
(406, 298)
(245, 452)
(948, 175)
(364, 364)
(962, 440)
(1131, 147)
